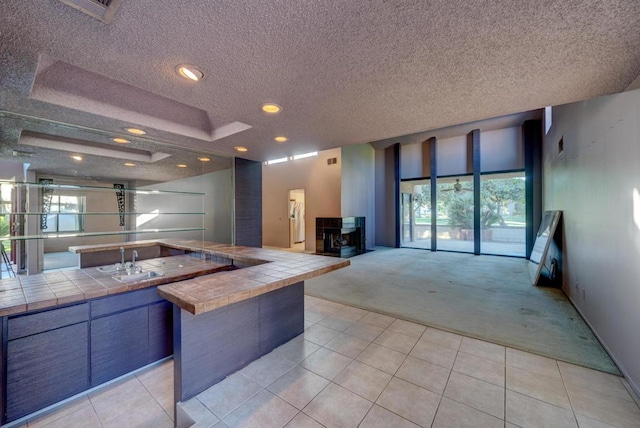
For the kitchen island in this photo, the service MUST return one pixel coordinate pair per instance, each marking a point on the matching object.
(225, 321)
(216, 309)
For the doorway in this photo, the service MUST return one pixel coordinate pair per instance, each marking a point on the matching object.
(297, 222)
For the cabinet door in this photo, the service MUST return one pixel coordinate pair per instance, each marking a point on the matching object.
(45, 368)
(119, 344)
(160, 331)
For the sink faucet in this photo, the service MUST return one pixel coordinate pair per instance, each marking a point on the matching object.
(133, 260)
(121, 256)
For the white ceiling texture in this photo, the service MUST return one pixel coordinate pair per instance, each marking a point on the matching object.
(345, 72)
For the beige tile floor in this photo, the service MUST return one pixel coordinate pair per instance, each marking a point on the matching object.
(357, 368)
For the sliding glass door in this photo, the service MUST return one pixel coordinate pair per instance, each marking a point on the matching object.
(454, 199)
(502, 215)
(416, 214)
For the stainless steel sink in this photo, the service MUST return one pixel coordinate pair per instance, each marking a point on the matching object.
(108, 269)
(137, 276)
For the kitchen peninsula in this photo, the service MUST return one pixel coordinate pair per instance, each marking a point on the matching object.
(215, 307)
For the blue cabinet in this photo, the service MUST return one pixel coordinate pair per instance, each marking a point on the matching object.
(119, 344)
(45, 367)
(160, 330)
(54, 354)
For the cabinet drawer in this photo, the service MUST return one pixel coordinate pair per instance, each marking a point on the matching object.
(26, 325)
(121, 302)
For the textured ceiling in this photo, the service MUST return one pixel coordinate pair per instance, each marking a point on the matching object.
(346, 72)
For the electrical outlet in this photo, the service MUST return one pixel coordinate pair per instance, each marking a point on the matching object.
(577, 287)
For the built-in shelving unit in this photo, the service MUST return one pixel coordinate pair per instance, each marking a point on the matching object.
(181, 221)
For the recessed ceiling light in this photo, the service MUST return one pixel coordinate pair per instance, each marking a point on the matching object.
(204, 159)
(129, 164)
(135, 131)
(181, 165)
(190, 72)
(281, 138)
(241, 149)
(76, 157)
(271, 108)
(120, 140)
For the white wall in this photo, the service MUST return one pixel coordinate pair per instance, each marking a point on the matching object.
(216, 204)
(321, 183)
(454, 156)
(11, 171)
(501, 150)
(411, 162)
(358, 189)
(593, 182)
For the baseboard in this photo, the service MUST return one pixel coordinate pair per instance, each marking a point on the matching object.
(634, 386)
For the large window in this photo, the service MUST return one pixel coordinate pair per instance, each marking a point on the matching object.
(479, 194)
(502, 214)
(5, 209)
(66, 214)
(5, 219)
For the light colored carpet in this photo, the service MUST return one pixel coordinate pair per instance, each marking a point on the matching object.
(486, 297)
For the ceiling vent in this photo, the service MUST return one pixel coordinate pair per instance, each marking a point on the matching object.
(99, 9)
(21, 153)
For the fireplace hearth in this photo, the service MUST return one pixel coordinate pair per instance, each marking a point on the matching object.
(340, 236)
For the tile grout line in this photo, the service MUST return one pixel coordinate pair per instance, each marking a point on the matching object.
(505, 388)
(373, 403)
(155, 399)
(452, 369)
(94, 410)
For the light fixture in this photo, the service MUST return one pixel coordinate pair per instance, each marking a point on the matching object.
(181, 165)
(129, 164)
(280, 160)
(305, 155)
(135, 131)
(120, 140)
(76, 157)
(241, 149)
(204, 159)
(271, 108)
(281, 138)
(190, 72)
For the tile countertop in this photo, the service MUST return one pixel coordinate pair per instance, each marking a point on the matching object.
(271, 270)
(186, 279)
(59, 287)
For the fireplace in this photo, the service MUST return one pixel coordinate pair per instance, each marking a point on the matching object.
(340, 236)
